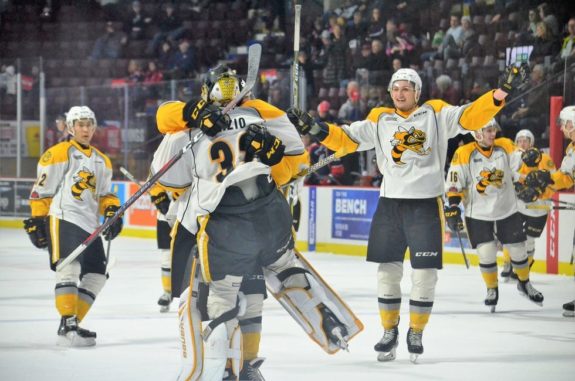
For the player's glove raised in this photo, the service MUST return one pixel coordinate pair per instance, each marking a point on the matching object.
(514, 78)
(205, 116)
(162, 202)
(260, 142)
(531, 157)
(305, 123)
(453, 217)
(539, 180)
(36, 229)
(115, 228)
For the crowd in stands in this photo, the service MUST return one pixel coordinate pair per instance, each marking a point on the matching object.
(347, 54)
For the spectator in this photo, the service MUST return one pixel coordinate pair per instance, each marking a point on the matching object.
(110, 44)
(351, 110)
(170, 26)
(307, 67)
(357, 28)
(135, 22)
(444, 90)
(135, 72)
(184, 61)
(532, 26)
(362, 60)
(379, 64)
(453, 39)
(166, 57)
(544, 44)
(376, 27)
(396, 64)
(396, 46)
(334, 57)
(568, 46)
(436, 41)
(153, 74)
(549, 19)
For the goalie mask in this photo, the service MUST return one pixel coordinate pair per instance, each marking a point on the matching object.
(221, 86)
(79, 113)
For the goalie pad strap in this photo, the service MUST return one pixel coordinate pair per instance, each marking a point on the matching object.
(226, 316)
(283, 275)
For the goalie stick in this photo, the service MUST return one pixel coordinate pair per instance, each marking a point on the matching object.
(254, 54)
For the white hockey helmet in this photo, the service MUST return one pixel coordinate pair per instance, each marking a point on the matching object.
(406, 75)
(525, 134)
(478, 134)
(221, 85)
(77, 113)
(566, 115)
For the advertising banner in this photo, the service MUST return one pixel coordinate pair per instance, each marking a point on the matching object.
(352, 213)
(143, 212)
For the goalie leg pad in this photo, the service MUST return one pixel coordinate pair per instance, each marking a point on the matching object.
(190, 327)
(310, 300)
(223, 343)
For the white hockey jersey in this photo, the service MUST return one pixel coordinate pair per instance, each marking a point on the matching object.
(484, 180)
(73, 184)
(213, 164)
(411, 148)
(565, 176)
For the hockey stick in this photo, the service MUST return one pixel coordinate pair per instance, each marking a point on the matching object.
(548, 208)
(254, 54)
(295, 69)
(571, 204)
(462, 250)
(129, 176)
(311, 169)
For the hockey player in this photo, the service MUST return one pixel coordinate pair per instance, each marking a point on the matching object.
(533, 213)
(481, 176)
(410, 145)
(538, 182)
(161, 200)
(71, 191)
(241, 220)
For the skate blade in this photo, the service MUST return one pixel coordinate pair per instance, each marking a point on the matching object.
(387, 356)
(341, 341)
(569, 313)
(164, 309)
(505, 279)
(540, 304)
(73, 340)
(413, 357)
(492, 309)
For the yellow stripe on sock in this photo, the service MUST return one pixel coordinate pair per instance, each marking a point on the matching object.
(251, 345)
(490, 279)
(418, 321)
(389, 319)
(67, 304)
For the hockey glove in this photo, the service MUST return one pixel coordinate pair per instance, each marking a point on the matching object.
(527, 194)
(114, 229)
(306, 124)
(161, 202)
(453, 217)
(259, 141)
(205, 116)
(36, 229)
(514, 78)
(538, 180)
(531, 157)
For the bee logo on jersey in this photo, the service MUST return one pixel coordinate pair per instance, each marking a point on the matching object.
(411, 139)
(84, 179)
(488, 177)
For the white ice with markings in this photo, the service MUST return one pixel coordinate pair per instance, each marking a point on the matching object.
(463, 341)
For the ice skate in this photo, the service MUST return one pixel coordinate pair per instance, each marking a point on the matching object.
(526, 289)
(251, 370)
(164, 302)
(334, 329)
(492, 298)
(506, 272)
(70, 335)
(569, 309)
(387, 345)
(414, 344)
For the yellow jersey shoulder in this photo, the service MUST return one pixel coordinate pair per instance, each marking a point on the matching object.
(436, 104)
(266, 110)
(104, 156)
(505, 143)
(375, 113)
(463, 154)
(56, 154)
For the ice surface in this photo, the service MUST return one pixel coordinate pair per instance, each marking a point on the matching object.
(463, 341)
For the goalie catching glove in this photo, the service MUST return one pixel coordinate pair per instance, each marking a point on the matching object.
(453, 217)
(36, 229)
(205, 116)
(306, 124)
(538, 180)
(514, 78)
(260, 142)
(116, 227)
(531, 157)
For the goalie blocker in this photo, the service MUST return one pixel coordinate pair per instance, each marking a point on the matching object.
(319, 310)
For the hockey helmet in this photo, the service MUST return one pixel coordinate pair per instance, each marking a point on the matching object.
(525, 134)
(478, 134)
(221, 85)
(406, 75)
(78, 113)
(567, 115)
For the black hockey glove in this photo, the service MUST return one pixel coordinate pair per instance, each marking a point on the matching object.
(306, 124)
(526, 194)
(259, 141)
(114, 229)
(36, 229)
(205, 116)
(514, 78)
(538, 180)
(531, 157)
(161, 202)
(453, 217)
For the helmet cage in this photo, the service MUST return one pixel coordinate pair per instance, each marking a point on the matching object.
(221, 86)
